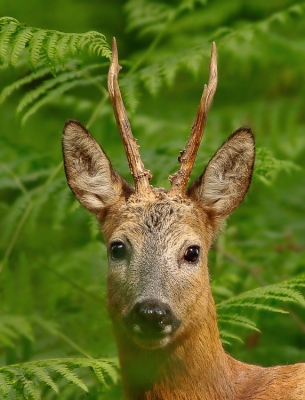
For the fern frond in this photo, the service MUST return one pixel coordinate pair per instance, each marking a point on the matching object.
(53, 94)
(62, 47)
(35, 49)
(129, 86)
(8, 20)
(29, 389)
(260, 299)
(8, 90)
(64, 371)
(42, 374)
(256, 306)
(19, 43)
(7, 29)
(51, 48)
(151, 78)
(49, 84)
(74, 39)
(282, 16)
(147, 16)
(22, 378)
(47, 48)
(6, 388)
(239, 320)
(267, 167)
(96, 45)
(284, 291)
(224, 335)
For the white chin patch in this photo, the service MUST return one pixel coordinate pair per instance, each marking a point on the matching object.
(152, 344)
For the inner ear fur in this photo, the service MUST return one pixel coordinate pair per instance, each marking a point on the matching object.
(227, 177)
(90, 175)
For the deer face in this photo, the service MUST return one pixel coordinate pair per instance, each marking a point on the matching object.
(158, 240)
(157, 252)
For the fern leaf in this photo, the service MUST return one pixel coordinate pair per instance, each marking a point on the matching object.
(6, 388)
(70, 376)
(99, 47)
(224, 335)
(54, 94)
(28, 387)
(42, 374)
(110, 367)
(267, 167)
(257, 306)
(51, 47)
(22, 376)
(19, 43)
(35, 94)
(239, 320)
(8, 90)
(284, 292)
(46, 47)
(6, 32)
(130, 92)
(148, 17)
(8, 20)
(35, 49)
(151, 78)
(51, 51)
(73, 44)
(98, 370)
(62, 47)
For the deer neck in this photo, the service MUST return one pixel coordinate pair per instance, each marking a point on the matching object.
(194, 367)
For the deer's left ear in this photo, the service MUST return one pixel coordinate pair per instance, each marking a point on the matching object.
(90, 175)
(226, 179)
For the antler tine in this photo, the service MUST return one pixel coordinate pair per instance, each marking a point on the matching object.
(188, 155)
(140, 175)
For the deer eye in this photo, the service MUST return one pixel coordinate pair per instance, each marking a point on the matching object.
(191, 254)
(118, 251)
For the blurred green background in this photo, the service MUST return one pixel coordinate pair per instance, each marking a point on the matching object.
(53, 260)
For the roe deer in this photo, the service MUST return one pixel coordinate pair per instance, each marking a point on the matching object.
(158, 290)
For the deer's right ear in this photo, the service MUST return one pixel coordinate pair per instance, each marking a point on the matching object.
(226, 179)
(89, 172)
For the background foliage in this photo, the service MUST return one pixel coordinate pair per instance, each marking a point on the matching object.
(52, 258)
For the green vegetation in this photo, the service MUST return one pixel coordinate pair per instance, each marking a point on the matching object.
(55, 335)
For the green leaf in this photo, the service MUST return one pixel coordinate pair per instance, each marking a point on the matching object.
(7, 31)
(35, 49)
(19, 43)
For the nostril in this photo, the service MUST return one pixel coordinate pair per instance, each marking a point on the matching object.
(151, 317)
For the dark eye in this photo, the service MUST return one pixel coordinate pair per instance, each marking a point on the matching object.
(118, 250)
(191, 255)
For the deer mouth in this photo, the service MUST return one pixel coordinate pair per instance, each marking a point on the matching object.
(152, 342)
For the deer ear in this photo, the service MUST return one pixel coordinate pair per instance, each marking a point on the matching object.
(226, 179)
(89, 172)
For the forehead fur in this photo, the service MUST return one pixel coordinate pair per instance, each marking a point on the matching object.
(155, 214)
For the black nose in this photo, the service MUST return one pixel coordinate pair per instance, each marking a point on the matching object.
(152, 317)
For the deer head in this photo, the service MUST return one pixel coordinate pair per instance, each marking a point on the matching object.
(158, 240)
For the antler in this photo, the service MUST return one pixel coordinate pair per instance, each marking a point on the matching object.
(140, 175)
(188, 155)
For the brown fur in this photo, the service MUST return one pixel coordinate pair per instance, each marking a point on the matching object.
(157, 227)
